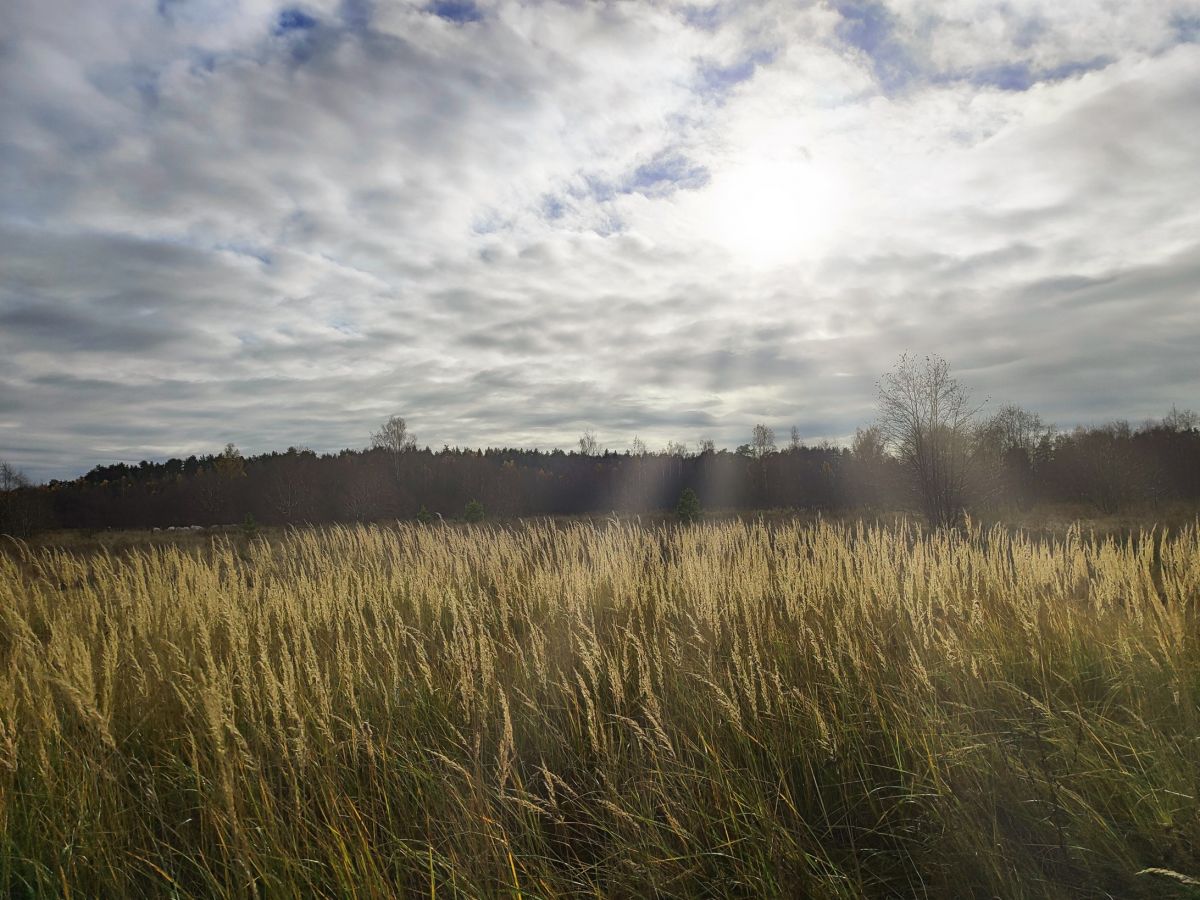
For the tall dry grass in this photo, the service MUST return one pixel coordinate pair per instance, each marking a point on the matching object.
(552, 710)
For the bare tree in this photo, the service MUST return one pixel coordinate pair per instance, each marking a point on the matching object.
(1013, 429)
(794, 442)
(762, 444)
(587, 443)
(18, 508)
(394, 438)
(869, 445)
(675, 452)
(393, 435)
(1007, 445)
(706, 445)
(927, 419)
(763, 441)
(869, 456)
(637, 450)
(11, 478)
(1181, 420)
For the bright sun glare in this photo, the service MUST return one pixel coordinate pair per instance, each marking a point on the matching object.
(768, 212)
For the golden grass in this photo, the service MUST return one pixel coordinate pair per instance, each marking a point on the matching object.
(732, 709)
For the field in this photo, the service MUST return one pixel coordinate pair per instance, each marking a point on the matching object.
(604, 709)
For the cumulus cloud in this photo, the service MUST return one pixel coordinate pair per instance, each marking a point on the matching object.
(277, 223)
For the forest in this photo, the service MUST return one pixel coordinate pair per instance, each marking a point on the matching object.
(1015, 462)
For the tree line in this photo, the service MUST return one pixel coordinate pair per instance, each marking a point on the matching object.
(931, 450)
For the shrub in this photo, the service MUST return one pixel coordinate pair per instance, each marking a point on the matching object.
(687, 510)
(474, 511)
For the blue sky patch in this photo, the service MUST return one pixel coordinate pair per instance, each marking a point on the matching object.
(598, 189)
(356, 14)
(706, 18)
(249, 250)
(1006, 77)
(1186, 28)
(490, 221)
(666, 173)
(720, 79)
(203, 61)
(552, 208)
(870, 27)
(294, 20)
(457, 11)
(1021, 77)
(1075, 67)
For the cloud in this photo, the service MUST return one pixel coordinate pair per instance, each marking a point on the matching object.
(278, 223)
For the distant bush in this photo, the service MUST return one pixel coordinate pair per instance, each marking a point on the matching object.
(687, 510)
(424, 516)
(474, 511)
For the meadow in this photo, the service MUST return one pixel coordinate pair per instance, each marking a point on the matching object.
(742, 709)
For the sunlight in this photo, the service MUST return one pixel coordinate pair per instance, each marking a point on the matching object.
(768, 212)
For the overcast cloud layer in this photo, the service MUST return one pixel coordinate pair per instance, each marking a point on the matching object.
(277, 224)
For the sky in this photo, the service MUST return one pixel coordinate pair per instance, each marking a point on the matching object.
(278, 224)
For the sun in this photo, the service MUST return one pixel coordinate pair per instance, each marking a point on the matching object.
(768, 212)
